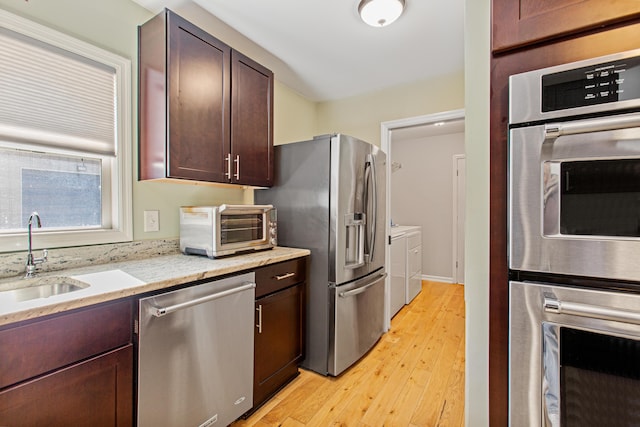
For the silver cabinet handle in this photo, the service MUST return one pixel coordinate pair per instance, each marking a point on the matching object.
(237, 162)
(162, 311)
(553, 305)
(285, 276)
(227, 159)
(259, 325)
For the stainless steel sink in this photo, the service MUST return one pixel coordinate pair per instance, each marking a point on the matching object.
(42, 287)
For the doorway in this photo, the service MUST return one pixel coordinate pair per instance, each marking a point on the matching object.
(425, 127)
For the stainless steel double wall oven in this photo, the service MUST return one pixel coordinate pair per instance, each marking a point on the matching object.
(574, 243)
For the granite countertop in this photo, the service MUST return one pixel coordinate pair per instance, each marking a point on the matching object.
(114, 280)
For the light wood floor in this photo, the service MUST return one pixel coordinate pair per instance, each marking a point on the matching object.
(414, 376)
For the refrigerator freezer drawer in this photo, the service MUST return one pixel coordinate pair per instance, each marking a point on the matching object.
(359, 320)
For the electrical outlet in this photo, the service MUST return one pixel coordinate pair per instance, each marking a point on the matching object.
(151, 221)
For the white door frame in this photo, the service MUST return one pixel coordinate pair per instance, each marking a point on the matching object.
(456, 223)
(385, 144)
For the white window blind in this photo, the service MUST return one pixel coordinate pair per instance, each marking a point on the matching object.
(65, 138)
(55, 98)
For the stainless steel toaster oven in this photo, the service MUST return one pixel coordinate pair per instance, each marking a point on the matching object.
(217, 231)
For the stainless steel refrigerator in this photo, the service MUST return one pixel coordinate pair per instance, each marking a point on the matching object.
(329, 194)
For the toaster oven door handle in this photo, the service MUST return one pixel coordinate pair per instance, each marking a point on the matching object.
(555, 130)
(553, 305)
(252, 208)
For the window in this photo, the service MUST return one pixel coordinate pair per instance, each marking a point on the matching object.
(65, 138)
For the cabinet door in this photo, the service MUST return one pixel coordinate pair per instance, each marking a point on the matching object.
(524, 22)
(97, 392)
(278, 340)
(199, 82)
(251, 122)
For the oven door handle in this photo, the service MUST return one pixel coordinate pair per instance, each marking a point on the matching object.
(555, 130)
(554, 305)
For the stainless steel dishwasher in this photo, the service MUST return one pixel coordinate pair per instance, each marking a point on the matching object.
(195, 354)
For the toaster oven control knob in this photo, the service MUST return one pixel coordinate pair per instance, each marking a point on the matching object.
(273, 234)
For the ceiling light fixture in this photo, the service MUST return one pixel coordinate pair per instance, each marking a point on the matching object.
(380, 13)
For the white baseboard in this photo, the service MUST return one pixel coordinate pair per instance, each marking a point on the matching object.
(440, 279)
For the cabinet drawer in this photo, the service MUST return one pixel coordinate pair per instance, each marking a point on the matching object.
(414, 260)
(38, 347)
(278, 276)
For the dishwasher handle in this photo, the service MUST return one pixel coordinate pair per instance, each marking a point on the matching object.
(162, 311)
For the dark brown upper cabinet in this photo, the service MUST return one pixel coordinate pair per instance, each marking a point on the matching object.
(205, 110)
(517, 23)
(251, 122)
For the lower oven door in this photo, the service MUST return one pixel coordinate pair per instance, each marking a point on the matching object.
(574, 356)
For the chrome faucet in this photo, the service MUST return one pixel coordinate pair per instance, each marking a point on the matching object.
(32, 262)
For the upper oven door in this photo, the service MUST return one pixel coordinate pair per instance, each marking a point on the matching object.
(574, 197)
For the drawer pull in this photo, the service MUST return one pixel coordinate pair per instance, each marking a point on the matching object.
(285, 276)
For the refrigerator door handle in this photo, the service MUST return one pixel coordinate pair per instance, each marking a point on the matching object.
(361, 289)
(370, 179)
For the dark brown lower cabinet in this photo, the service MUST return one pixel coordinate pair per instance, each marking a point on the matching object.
(71, 369)
(278, 341)
(279, 332)
(93, 393)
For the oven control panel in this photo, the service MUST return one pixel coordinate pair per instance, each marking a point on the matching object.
(596, 84)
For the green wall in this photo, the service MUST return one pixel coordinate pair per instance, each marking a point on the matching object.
(477, 54)
(360, 116)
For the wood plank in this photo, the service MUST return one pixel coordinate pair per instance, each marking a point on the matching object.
(434, 398)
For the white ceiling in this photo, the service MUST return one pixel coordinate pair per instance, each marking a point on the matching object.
(332, 54)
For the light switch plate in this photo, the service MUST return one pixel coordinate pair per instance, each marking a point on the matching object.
(151, 221)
